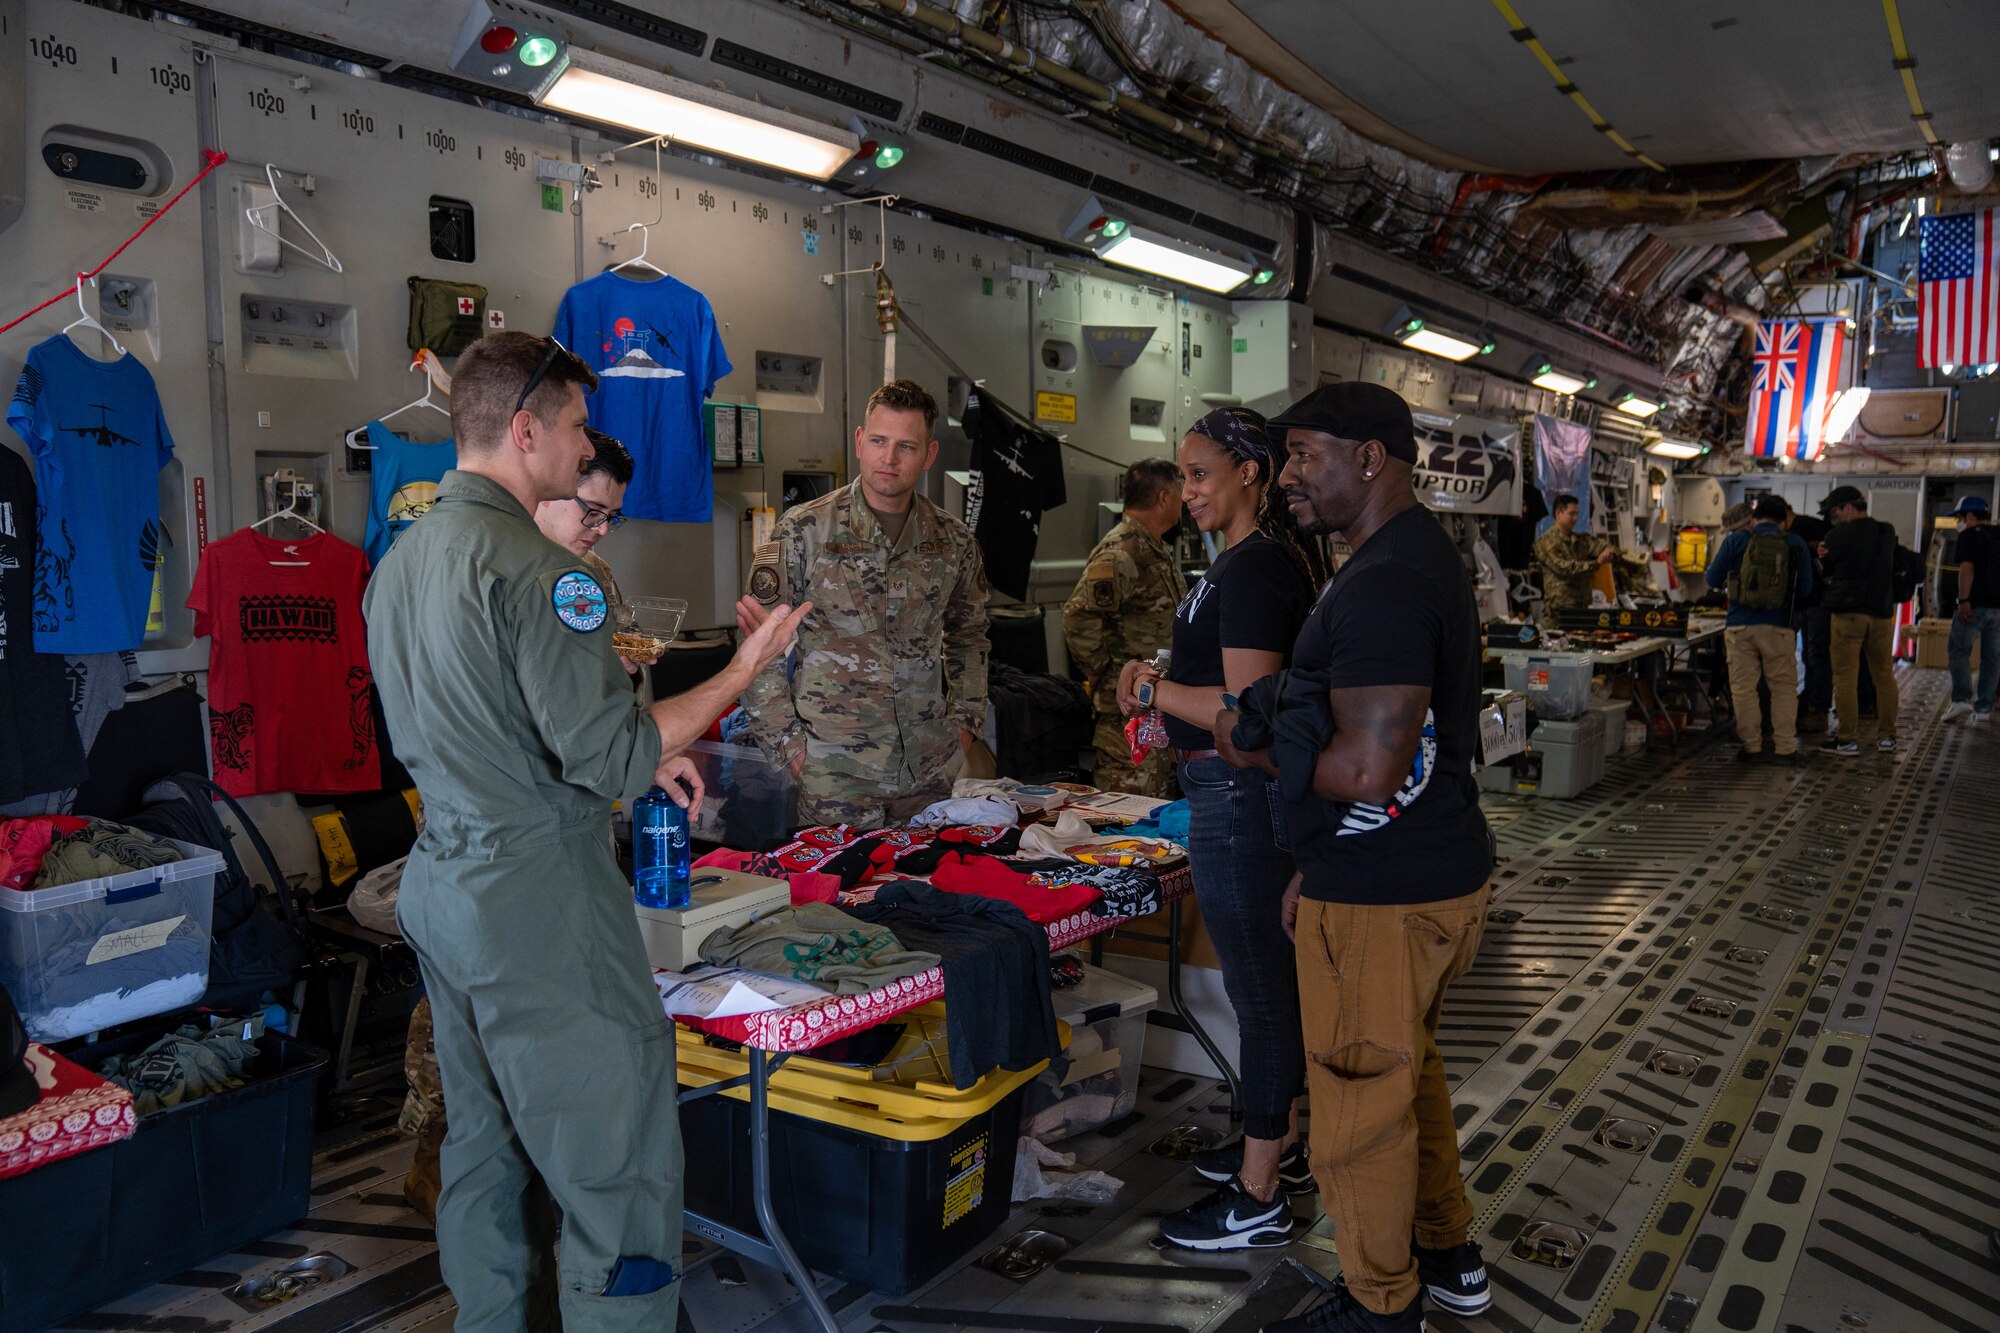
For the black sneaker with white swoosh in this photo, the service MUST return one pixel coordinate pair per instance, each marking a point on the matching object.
(1232, 1218)
(1295, 1173)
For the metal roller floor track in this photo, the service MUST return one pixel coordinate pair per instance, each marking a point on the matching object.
(1724, 1062)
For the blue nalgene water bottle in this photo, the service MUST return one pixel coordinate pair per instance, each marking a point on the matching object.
(661, 856)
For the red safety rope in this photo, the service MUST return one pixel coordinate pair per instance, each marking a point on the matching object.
(214, 160)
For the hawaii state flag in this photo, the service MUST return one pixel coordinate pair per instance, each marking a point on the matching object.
(1795, 375)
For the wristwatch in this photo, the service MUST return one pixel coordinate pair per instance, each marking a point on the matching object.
(1144, 692)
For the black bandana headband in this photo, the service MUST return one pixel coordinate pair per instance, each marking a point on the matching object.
(1239, 431)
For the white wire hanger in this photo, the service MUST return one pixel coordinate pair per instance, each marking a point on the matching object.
(425, 361)
(645, 229)
(89, 321)
(291, 511)
(256, 214)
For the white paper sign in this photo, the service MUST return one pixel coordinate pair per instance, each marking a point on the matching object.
(729, 992)
(124, 943)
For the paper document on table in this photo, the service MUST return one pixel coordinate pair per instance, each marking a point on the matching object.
(729, 992)
(1115, 805)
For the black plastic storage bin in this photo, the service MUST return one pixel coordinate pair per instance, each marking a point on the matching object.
(856, 1205)
(195, 1181)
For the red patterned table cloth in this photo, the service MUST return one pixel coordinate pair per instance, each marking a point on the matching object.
(804, 1026)
(77, 1111)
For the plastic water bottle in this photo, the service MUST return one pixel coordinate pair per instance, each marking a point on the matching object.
(661, 856)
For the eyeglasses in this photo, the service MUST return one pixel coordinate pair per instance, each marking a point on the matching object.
(610, 520)
(548, 359)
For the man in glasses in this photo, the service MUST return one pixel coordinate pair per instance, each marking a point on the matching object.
(492, 650)
(577, 523)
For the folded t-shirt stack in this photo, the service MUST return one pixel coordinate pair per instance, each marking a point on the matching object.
(997, 1012)
(45, 851)
(819, 945)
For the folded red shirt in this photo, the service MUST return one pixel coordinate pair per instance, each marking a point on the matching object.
(1035, 894)
(24, 842)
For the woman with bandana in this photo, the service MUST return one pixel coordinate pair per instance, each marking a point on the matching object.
(1234, 627)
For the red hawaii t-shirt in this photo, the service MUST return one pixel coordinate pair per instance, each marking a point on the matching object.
(288, 678)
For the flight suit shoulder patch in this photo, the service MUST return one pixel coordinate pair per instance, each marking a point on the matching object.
(579, 601)
(764, 574)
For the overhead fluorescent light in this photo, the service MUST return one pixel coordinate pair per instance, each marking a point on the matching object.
(1548, 376)
(1420, 335)
(1150, 252)
(1676, 449)
(598, 87)
(1633, 405)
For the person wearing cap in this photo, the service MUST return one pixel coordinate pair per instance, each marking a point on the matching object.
(1569, 561)
(1394, 860)
(1859, 557)
(1123, 608)
(1236, 626)
(1976, 618)
(492, 651)
(1765, 570)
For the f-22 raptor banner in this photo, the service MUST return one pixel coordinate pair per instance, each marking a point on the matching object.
(1468, 465)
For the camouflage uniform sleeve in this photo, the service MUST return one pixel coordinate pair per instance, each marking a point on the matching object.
(1088, 624)
(1554, 556)
(965, 641)
(777, 573)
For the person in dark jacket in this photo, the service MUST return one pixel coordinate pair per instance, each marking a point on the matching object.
(1859, 559)
(1760, 630)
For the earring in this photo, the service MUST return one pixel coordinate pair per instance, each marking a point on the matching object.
(1367, 476)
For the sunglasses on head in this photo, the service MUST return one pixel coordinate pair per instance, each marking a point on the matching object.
(541, 371)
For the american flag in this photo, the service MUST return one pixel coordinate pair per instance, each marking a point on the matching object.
(1958, 291)
(1795, 375)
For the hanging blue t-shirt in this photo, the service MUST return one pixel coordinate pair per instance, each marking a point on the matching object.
(99, 439)
(657, 353)
(403, 478)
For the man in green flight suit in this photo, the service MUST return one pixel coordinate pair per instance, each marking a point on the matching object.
(1569, 561)
(1123, 610)
(890, 686)
(492, 650)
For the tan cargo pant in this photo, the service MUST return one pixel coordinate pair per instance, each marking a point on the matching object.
(1856, 636)
(1384, 1144)
(1764, 652)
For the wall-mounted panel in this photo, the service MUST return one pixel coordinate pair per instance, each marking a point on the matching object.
(109, 76)
(377, 156)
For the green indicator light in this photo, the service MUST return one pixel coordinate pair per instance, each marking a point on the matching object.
(1262, 276)
(1487, 350)
(538, 51)
(1115, 227)
(888, 155)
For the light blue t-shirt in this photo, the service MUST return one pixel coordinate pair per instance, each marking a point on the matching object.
(402, 485)
(99, 439)
(657, 353)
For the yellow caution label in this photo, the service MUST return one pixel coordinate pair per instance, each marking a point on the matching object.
(967, 1187)
(156, 613)
(1056, 406)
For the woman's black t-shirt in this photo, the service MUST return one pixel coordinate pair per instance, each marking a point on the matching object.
(1254, 596)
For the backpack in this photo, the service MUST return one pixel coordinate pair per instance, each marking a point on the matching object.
(253, 949)
(1907, 574)
(1763, 582)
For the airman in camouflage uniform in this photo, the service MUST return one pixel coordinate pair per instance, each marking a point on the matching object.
(891, 663)
(1123, 610)
(1568, 560)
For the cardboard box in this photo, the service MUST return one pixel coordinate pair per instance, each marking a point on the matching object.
(1934, 645)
